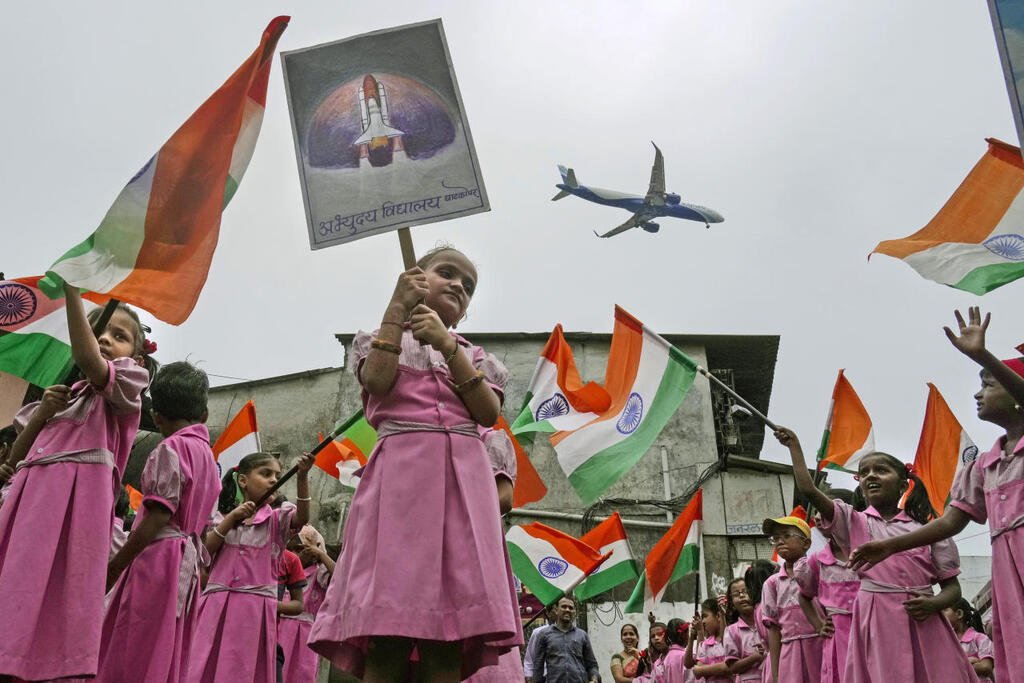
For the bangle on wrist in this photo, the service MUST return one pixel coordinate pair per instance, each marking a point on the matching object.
(451, 356)
(222, 536)
(386, 346)
(476, 379)
(305, 499)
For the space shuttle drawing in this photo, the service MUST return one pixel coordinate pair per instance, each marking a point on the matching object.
(379, 142)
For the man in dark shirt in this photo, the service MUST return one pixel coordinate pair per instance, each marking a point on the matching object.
(564, 654)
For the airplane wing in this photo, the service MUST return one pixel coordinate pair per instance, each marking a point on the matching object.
(631, 223)
(656, 190)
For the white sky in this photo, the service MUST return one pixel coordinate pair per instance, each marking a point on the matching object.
(816, 129)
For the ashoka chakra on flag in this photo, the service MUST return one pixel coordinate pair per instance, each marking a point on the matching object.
(552, 567)
(556, 406)
(632, 414)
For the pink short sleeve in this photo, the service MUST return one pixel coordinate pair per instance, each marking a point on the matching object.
(733, 644)
(494, 370)
(285, 514)
(24, 415)
(968, 492)
(501, 453)
(807, 573)
(161, 478)
(985, 647)
(360, 350)
(125, 383)
(838, 527)
(770, 601)
(946, 559)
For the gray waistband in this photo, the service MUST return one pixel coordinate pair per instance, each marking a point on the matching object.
(266, 590)
(392, 427)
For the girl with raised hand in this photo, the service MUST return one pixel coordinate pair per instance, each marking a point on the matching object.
(707, 661)
(236, 630)
(966, 623)
(990, 487)
(300, 663)
(57, 520)
(744, 648)
(897, 633)
(423, 564)
(826, 579)
(794, 647)
(154, 578)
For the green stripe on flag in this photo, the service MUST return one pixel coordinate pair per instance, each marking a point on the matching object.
(230, 187)
(635, 604)
(606, 579)
(689, 561)
(986, 278)
(36, 357)
(524, 568)
(604, 468)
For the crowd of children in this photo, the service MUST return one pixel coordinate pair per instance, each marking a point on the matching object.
(214, 584)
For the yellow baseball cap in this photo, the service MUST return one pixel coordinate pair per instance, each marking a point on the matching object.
(770, 526)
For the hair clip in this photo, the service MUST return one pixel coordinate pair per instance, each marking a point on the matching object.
(910, 468)
(149, 347)
(856, 477)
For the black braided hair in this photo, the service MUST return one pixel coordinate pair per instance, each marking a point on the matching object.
(971, 617)
(229, 490)
(675, 631)
(917, 506)
(755, 576)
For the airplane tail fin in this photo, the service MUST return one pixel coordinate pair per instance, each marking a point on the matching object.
(562, 194)
(568, 177)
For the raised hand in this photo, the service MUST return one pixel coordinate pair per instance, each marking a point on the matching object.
(971, 341)
(427, 328)
(242, 512)
(787, 437)
(410, 289)
(868, 555)
(305, 462)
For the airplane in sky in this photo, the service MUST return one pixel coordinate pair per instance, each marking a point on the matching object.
(655, 204)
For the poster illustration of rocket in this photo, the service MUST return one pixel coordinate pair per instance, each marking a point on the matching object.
(381, 137)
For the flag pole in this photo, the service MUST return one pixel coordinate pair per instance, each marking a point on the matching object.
(295, 468)
(742, 401)
(405, 243)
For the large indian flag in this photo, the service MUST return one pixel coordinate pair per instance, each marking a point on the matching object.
(849, 434)
(154, 247)
(608, 537)
(943, 450)
(673, 557)
(549, 562)
(646, 379)
(976, 241)
(240, 438)
(34, 340)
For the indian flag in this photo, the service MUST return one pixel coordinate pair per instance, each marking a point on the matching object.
(943, 450)
(849, 435)
(154, 247)
(608, 537)
(646, 379)
(549, 562)
(349, 450)
(976, 241)
(240, 438)
(673, 557)
(528, 486)
(34, 340)
(557, 399)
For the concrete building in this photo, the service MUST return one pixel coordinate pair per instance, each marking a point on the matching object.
(702, 443)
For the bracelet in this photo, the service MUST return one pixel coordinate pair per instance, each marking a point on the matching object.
(451, 356)
(304, 500)
(222, 536)
(384, 345)
(469, 383)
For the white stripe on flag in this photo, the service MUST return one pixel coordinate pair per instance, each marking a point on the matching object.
(230, 456)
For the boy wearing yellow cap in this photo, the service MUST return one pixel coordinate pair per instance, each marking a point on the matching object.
(793, 643)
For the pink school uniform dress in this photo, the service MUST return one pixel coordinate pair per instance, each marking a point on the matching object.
(509, 668)
(992, 487)
(800, 657)
(674, 666)
(741, 641)
(886, 644)
(424, 555)
(821, 575)
(236, 630)
(154, 599)
(710, 651)
(56, 525)
(978, 646)
(300, 663)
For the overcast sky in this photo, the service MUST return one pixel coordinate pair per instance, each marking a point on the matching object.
(816, 129)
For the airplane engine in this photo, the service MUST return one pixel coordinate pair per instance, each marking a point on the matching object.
(672, 198)
(650, 227)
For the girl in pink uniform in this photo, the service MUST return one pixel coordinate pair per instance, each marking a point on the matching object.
(825, 578)
(897, 633)
(300, 663)
(425, 573)
(707, 660)
(236, 630)
(57, 520)
(674, 669)
(744, 649)
(966, 623)
(794, 646)
(155, 576)
(988, 487)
